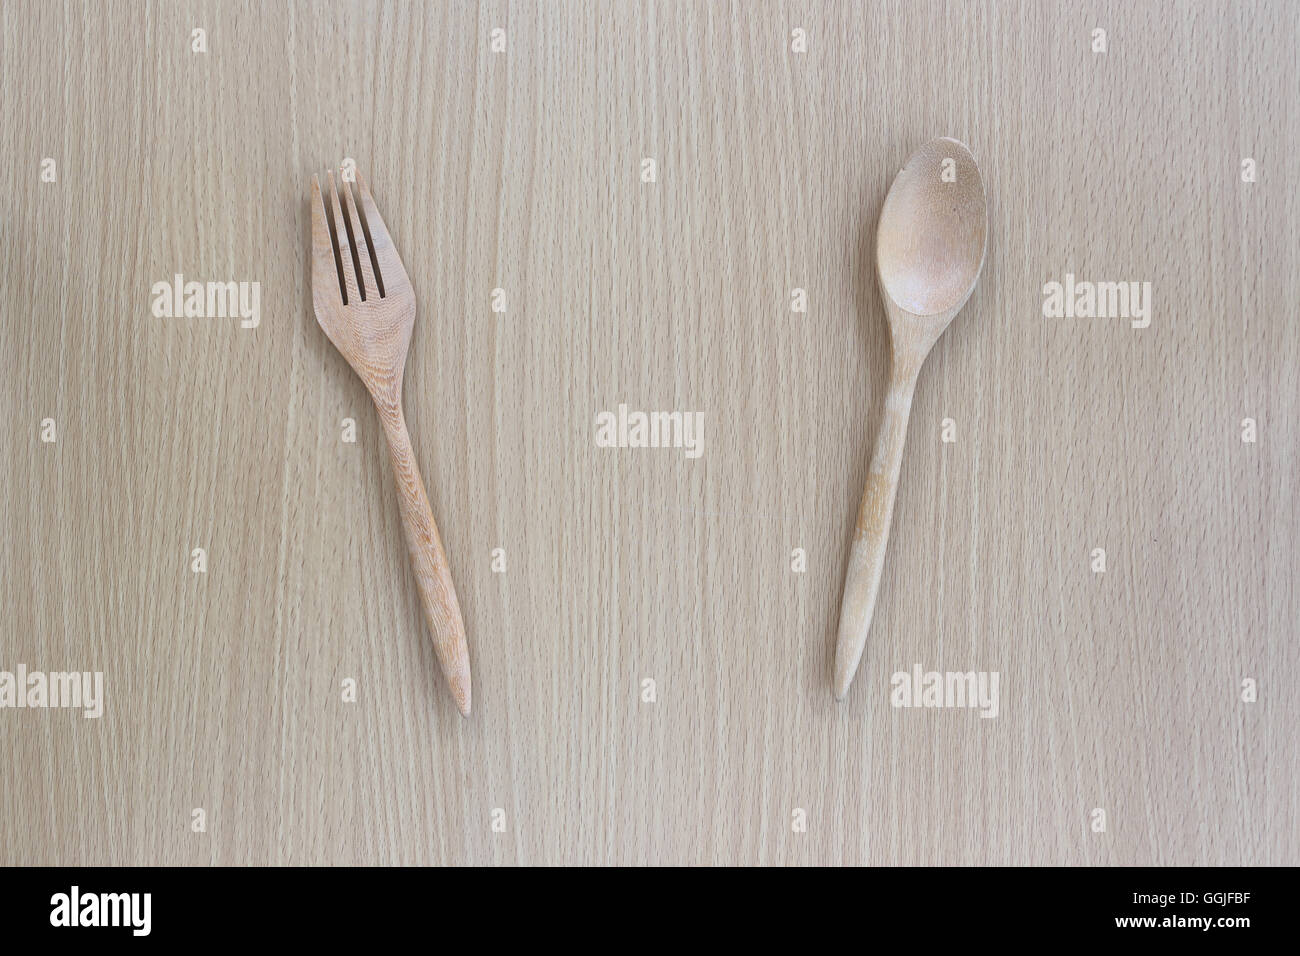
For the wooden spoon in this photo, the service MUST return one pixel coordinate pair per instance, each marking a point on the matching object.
(929, 253)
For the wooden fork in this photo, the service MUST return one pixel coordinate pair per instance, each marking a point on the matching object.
(365, 304)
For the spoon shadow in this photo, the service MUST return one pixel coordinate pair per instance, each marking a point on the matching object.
(872, 340)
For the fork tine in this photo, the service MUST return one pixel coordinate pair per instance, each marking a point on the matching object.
(352, 294)
(324, 274)
(391, 272)
(359, 228)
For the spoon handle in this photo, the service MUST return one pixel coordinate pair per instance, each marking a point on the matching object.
(872, 535)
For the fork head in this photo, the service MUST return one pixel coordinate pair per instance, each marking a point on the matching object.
(362, 297)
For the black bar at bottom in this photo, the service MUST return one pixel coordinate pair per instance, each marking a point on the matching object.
(1219, 906)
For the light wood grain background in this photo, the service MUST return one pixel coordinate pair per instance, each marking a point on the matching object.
(520, 170)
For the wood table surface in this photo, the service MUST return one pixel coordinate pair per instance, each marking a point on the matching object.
(1126, 691)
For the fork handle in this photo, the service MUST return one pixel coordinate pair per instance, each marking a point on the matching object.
(428, 560)
(871, 536)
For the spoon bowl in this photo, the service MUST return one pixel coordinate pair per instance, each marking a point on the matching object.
(931, 238)
(929, 255)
